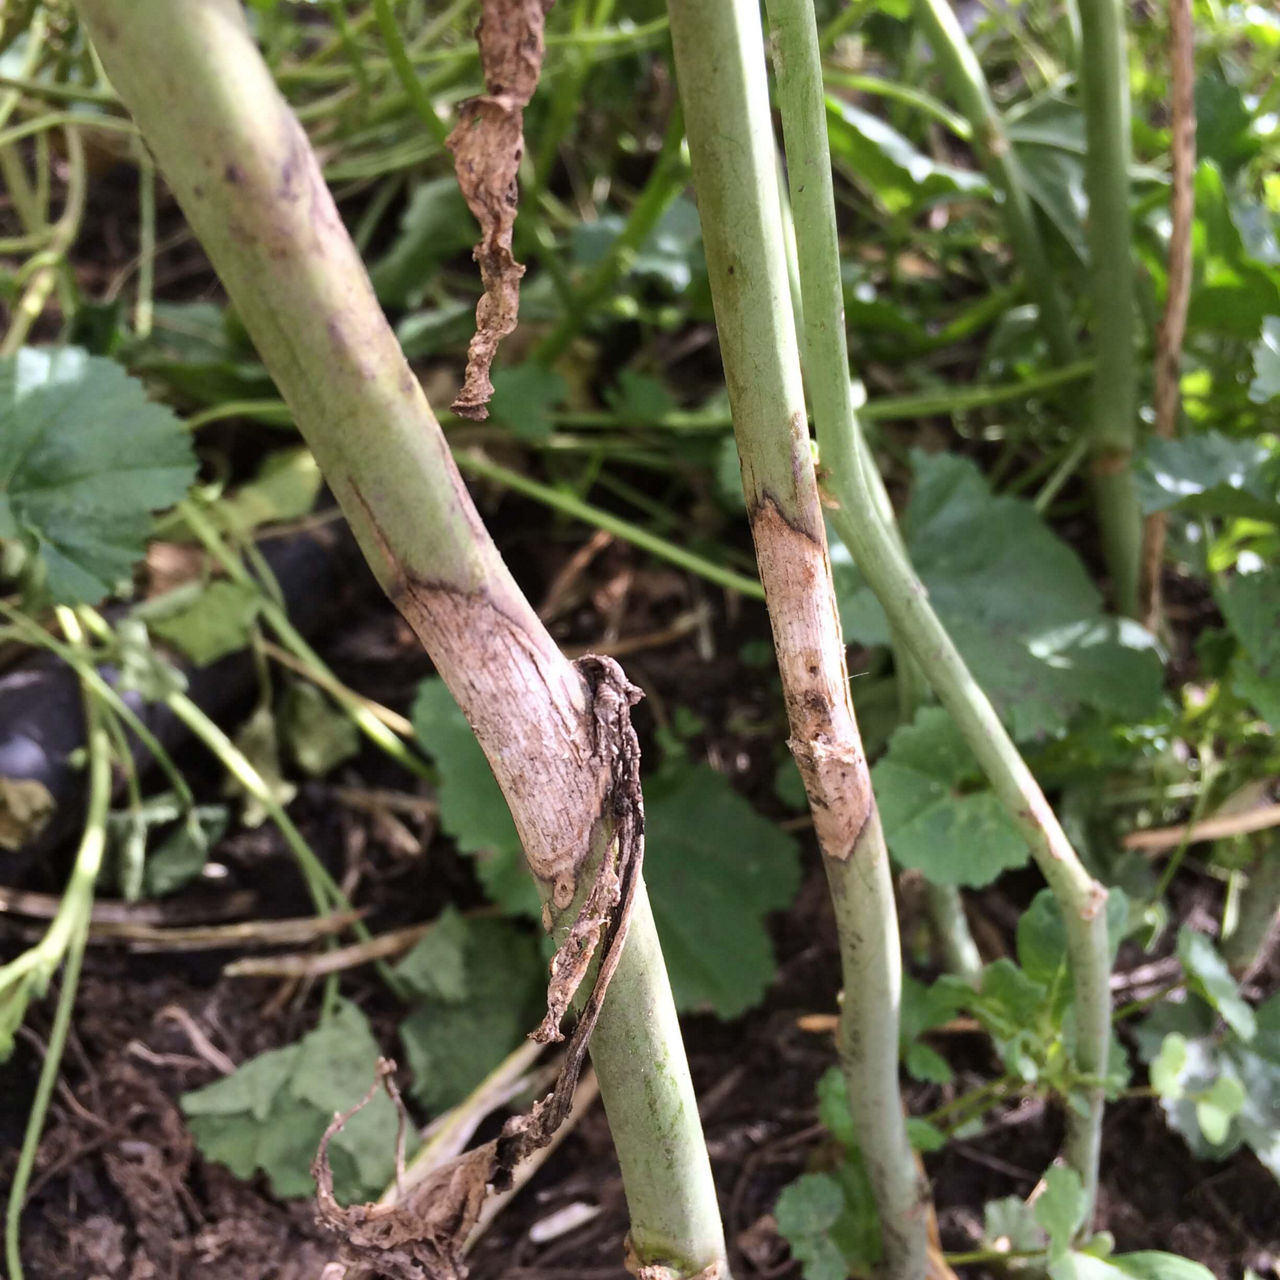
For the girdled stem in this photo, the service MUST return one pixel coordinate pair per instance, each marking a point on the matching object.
(720, 71)
(246, 177)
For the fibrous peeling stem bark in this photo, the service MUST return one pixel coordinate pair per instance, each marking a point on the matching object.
(487, 146)
(554, 732)
(424, 1235)
(724, 91)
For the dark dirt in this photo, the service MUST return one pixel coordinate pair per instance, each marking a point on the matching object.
(119, 1190)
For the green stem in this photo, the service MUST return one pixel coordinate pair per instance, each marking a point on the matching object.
(879, 554)
(477, 464)
(1259, 910)
(240, 166)
(278, 619)
(1104, 83)
(720, 71)
(66, 936)
(662, 187)
(951, 928)
(51, 259)
(968, 85)
(923, 102)
(406, 72)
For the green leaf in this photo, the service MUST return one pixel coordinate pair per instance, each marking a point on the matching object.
(258, 740)
(1218, 1106)
(1060, 1208)
(1128, 1266)
(882, 161)
(809, 1206)
(1224, 124)
(1168, 1065)
(1233, 290)
(270, 1113)
(1209, 977)
(453, 1044)
(1039, 653)
(1250, 602)
(1014, 1010)
(435, 226)
(85, 458)
(181, 856)
(924, 1136)
(436, 966)
(251, 1088)
(473, 811)
(201, 351)
(935, 820)
(923, 1008)
(318, 734)
(806, 1211)
(429, 332)
(285, 487)
(715, 868)
(1209, 474)
(523, 397)
(833, 1107)
(673, 252)
(1010, 1224)
(639, 398)
(1042, 940)
(204, 621)
(1048, 139)
(1266, 362)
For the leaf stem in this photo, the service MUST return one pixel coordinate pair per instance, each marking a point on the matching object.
(253, 193)
(65, 937)
(968, 85)
(879, 554)
(720, 71)
(1104, 82)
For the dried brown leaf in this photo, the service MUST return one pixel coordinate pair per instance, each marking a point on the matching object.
(487, 147)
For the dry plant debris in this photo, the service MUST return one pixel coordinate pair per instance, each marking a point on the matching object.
(422, 1237)
(487, 147)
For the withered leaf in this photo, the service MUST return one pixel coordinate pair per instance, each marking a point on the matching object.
(487, 147)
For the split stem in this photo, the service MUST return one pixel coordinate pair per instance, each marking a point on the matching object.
(877, 549)
(720, 70)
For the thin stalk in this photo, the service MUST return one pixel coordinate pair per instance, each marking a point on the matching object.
(951, 929)
(879, 554)
(943, 902)
(365, 718)
(720, 72)
(52, 259)
(968, 85)
(662, 187)
(144, 306)
(964, 399)
(1246, 947)
(1104, 83)
(907, 94)
(1173, 323)
(65, 937)
(403, 66)
(252, 190)
(475, 463)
